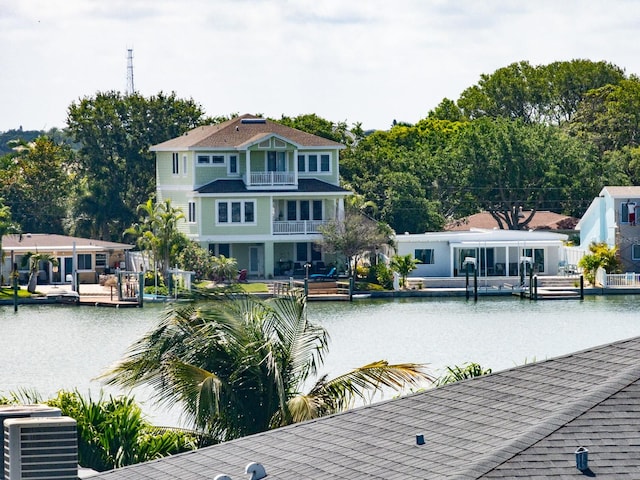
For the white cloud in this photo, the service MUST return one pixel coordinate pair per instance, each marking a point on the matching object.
(364, 60)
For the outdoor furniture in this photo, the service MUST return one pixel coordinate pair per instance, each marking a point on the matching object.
(332, 274)
(242, 276)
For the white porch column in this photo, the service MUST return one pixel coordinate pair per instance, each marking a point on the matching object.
(341, 209)
(269, 262)
(247, 166)
(295, 166)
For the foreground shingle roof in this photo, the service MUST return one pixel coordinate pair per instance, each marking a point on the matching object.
(235, 133)
(525, 422)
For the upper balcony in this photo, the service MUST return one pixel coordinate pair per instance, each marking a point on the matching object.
(297, 227)
(258, 180)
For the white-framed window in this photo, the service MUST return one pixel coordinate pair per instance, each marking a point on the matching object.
(217, 160)
(176, 163)
(192, 212)
(304, 210)
(84, 261)
(101, 260)
(184, 165)
(232, 165)
(424, 255)
(230, 212)
(276, 161)
(314, 162)
(277, 143)
(635, 252)
(265, 143)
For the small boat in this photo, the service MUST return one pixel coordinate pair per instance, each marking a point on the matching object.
(360, 296)
(64, 297)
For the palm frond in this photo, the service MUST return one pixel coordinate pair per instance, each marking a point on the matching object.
(338, 394)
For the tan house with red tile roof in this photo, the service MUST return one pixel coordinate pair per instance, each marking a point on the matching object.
(542, 220)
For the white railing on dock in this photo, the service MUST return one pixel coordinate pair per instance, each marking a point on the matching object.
(629, 279)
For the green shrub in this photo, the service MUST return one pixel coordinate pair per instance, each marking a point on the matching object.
(382, 275)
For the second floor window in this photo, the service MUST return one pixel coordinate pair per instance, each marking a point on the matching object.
(192, 212)
(276, 161)
(304, 210)
(314, 162)
(236, 212)
(176, 163)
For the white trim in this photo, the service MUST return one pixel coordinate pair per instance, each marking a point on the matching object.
(242, 222)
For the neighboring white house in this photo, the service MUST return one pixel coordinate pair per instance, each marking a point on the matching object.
(496, 252)
(612, 217)
(254, 190)
(89, 258)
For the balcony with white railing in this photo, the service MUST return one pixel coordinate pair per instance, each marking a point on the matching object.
(297, 227)
(270, 179)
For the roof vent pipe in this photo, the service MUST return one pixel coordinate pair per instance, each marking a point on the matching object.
(420, 439)
(582, 459)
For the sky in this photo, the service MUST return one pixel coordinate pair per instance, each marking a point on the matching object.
(366, 61)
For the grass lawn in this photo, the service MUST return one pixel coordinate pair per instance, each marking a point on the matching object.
(257, 287)
(6, 293)
(254, 287)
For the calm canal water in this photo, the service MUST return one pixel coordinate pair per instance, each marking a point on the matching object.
(49, 348)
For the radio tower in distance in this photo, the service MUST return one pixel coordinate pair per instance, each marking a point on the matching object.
(130, 88)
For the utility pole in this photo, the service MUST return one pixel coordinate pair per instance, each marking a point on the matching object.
(130, 88)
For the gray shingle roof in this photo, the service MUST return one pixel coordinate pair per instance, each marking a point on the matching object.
(525, 422)
(235, 133)
(305, 185)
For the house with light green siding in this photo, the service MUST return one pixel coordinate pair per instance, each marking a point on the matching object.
(254, 190)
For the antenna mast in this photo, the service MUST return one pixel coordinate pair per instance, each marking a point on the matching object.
(130, 88)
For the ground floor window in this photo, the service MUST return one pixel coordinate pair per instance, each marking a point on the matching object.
(101, 260)
(635, 252)
(84, 261)
(537, 258)
(424, 255)
(217, 249)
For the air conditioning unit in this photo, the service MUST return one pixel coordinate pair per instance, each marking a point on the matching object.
(40, 448)
(21, 411)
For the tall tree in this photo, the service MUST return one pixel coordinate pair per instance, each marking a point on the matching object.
(512, 166)
(238, 365)
(353, 236)
(537, 94)
(117, 171)
(34, 172)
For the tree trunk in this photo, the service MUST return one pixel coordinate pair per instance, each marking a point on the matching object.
(33, 282)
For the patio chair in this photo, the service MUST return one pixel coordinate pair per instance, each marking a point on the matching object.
(242, 276)
(331, 274)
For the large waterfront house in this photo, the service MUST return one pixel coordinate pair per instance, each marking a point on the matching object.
(89, 258)
(495, 252)
(254, 190)
(613, 218)
(573, 416)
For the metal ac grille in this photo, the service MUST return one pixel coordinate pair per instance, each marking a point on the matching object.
(21, 411)
(41, 449)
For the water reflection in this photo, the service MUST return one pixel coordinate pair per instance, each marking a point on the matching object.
(51, 348)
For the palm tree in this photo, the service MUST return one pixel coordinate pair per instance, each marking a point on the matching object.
(158, 232)
(224, 269)
(404, 265)
(238, 365)
(33, 260)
